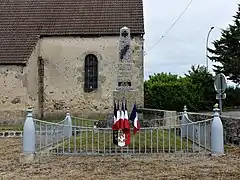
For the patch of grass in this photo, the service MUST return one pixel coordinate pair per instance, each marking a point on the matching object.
(84, 122)
(14, 127)
(145, 140)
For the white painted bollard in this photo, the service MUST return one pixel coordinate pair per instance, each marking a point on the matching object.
(29, 137)
(68, 125)
(217, 143)
(184, 122)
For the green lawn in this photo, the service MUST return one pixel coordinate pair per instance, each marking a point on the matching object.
(84, 122)
(14, 127)
(146, 140)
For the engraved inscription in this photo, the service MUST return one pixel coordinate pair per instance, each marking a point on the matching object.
(125, 67)
(125, 74)
(124, 79)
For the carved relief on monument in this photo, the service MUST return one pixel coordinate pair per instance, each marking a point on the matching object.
(125, 45)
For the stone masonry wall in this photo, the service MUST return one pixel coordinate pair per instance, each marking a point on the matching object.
(13, 82)
(19, 89)
(231, 126)
(64, 77)
(64, 74)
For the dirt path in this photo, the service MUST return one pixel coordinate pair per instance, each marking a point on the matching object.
(112, 168)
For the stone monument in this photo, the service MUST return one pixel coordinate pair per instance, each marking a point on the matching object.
(124, 89)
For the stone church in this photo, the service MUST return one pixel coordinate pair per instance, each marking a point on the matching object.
(59, 54)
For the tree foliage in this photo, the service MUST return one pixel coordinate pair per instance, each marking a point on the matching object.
(204, 83)
(227, 51)
(196, 90)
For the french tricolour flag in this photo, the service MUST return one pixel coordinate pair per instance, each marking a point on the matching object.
(134, 119)
(127, 127)
(116, 122)
(121, 118)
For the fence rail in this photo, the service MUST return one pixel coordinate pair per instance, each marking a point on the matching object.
(49, 134)
(198, 132)
(231, 125)
(95, 141)
(82, 136)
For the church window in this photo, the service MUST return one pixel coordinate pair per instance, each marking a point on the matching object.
(91, 73)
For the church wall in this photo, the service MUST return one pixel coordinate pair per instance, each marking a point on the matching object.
(64, 74)
(19, 89)
(63, 86)
(12, 93)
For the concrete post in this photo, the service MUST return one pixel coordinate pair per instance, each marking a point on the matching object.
(217, 143)
(68, 125)
(29, 137)
(184, 122)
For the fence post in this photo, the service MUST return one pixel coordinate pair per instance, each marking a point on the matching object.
(68, 122)
(184, 122)
(29, 138)
(217, 145)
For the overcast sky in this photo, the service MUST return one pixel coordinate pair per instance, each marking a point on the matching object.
(185, 44)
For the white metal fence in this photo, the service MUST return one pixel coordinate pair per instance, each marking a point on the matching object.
(198, 132)
(95, 141)
(81, 136)
(48, 134)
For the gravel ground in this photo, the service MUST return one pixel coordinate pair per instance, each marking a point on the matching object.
(111, 168)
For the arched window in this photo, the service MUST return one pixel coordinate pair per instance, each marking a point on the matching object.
(91, 73)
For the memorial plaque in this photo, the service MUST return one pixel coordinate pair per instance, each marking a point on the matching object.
(125, 73)
(125, 67)
(124, 79)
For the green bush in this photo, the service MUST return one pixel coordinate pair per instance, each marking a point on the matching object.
(195, 90)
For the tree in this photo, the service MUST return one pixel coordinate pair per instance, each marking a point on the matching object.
(164, 77)
(169, 92)
(227, 51)
(172, 92)
(204, 83)
(195, 90)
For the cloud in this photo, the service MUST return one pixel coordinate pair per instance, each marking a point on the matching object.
(185, 44)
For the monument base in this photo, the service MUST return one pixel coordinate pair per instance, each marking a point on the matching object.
(130, 95)
(27, 158)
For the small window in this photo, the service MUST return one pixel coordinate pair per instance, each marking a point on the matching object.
(91, 73)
